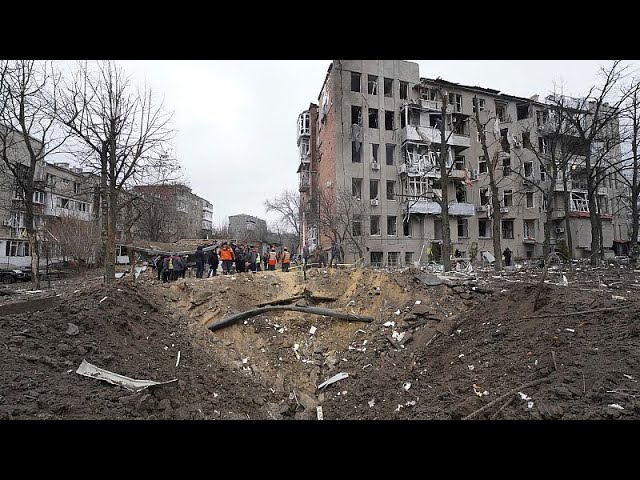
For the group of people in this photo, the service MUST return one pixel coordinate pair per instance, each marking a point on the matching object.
(170, 267)
(234, 258)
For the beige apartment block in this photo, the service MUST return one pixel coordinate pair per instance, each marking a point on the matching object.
(375, 134)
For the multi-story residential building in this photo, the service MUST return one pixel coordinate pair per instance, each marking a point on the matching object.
(247, 228)
(378, 139)
(183, 213)
(60, 190)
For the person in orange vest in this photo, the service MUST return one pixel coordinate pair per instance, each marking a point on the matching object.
(286, 259)
(273, 259)
(226, 257)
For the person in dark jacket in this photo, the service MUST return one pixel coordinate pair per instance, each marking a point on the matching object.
(213, 263)
(199, 262)
(507, 256)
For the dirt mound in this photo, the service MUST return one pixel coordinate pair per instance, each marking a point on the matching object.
(437, 348)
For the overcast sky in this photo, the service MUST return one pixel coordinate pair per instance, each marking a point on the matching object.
(236, 120)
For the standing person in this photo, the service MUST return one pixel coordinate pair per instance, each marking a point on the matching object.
(273, 259)
(265, 259)
(305, 254)
(165, 269)
(252, 257)
(258, 260)
(226, 257)
(178, 267)
(286, 259)
(159, 263)
(335, 251)
(199, 262)
(507, 256)
(213, 263)
(238, 253)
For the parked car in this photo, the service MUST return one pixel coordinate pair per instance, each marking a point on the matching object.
(11, 273)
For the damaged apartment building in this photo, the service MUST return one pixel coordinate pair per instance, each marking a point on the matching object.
(374, 136)
(60, 191)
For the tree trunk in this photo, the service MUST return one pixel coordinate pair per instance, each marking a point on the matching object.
(444, 185)
(548, 224)
(34, 248)
(567, 218)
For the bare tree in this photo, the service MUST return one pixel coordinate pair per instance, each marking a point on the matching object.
(594, 120)
(342, 216)
(75, 237)
(123, 130)
(28, 106)
(497, 144)
(287, 204)
(220, 229)
(631, 169)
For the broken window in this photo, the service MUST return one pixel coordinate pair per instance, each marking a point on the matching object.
(376, 259)
(480, 103)
(542, 145)
(529, 199)
(603, 204)
(458, 103)
(460, 126)
(522, 111)
(356, 115)
(506, 166)
(392, 226)
(356, 188)
(507, 197)
(391, 190)
(463, 225)
(579, 202)
(414, 117)
(543, 173)
(404, 90)
(504, 140)
(375, 225)
(356, 226)
(507, 229)
(391, 148)
(388, 119)
(484, 228)
(501, 111)
(461, 192)
(529, 228)
(373, 84)
(38, 197)
(373, 189)
(373, 118)
(528, 169)
(408, 258)
(482, 164)
(459, 162)
(435, 121)
(355, 82)
(388, 87)
(526, 140)
(393, 259)
(406, 227)
(374, 152)
(355, 152)
(437, 229)
(484, 196)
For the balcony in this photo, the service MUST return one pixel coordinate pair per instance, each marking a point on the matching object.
(304, 186)
(412, 133)
(429, 207)
(529, 241)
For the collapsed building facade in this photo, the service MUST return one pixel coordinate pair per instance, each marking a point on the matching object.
(369, 156)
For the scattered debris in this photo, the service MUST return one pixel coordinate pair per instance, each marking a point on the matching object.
(335, 378)
(372, 402)
(178, 359)
(406, 385)
(312, 330)
(103, 299)
(73, 329)
(88, 370)
(616, 406)
(319, 413)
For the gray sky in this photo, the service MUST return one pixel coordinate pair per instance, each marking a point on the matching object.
(236, 120)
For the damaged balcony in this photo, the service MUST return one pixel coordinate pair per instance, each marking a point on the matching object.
(304, 182)
(413, 133)
(431, 207)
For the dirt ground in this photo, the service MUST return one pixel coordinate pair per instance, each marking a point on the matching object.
(470, 346)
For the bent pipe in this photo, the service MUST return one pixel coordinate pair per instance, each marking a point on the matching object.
(351, 317)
